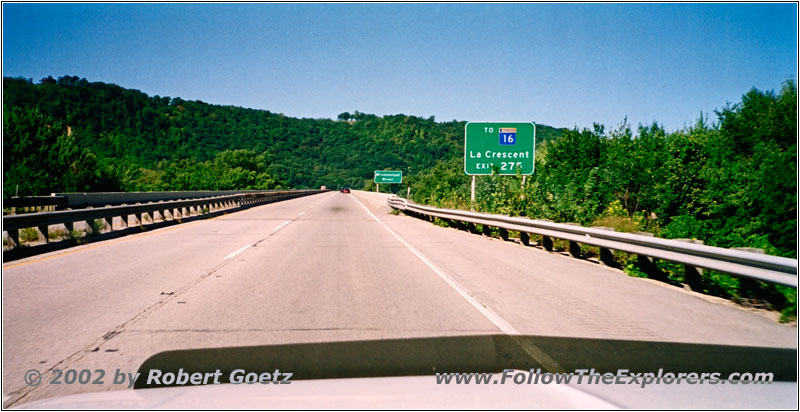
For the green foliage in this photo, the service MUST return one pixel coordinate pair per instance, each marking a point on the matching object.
(56, 234)
(39, 158)
(139, 142)
(98, 225)
(731, 183)
(789, 313)
(28, 234)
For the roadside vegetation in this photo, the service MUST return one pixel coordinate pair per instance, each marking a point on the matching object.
(730, 180)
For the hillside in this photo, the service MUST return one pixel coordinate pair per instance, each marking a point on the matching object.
(133, 141)
(729, 182)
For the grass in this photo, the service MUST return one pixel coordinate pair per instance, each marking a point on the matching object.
(589, 251)
(98, 225)
(560, 245)
(618, 223)
(56, 234)
(32, 234)
(29, 234)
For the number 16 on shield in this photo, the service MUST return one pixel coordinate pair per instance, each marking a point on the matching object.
(508, 136)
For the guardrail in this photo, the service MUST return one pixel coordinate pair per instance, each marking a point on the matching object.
(78, 200)
(692, 254)
(170, 212)
(101, 199)
(35, 203)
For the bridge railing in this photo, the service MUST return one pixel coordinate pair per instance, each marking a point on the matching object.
(101, 199)
(80, 200)
(34, 203)
(692, 254)
(143, 214)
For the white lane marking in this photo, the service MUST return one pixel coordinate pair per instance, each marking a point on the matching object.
(232, 255)
(493, 317)
(282, 225)
(243, 248)
(276, 230)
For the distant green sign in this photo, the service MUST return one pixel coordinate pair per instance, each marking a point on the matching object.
(505, 146)
(388, 176)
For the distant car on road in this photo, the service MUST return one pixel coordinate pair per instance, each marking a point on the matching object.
(345, 190)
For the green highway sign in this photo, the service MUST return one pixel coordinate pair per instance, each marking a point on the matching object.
(504, 145)
(388, 176)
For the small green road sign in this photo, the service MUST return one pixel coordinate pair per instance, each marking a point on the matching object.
(504, 145)
(388, 176)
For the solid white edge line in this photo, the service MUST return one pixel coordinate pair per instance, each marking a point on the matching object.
(534, 351)
(493, 317)
(232, 255)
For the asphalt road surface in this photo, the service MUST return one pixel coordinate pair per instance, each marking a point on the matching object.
(327, 267)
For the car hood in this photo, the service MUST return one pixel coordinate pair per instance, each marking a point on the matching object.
(400, 373)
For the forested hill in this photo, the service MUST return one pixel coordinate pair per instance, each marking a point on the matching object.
(731, 182)
(123, 139)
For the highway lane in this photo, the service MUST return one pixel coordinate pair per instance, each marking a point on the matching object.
(544, 293)
(57, 306)
(316, 269)
(322, 268)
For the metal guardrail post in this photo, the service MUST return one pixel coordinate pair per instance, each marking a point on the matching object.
(748, 286)
(574, 247)
(456, 224)
(547, 241)
(607, 255)
(503, 233)
(692, 276)
(525, 238)
(647, 264)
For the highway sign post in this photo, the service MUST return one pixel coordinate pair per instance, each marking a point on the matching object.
(498, 147)
(387, 176)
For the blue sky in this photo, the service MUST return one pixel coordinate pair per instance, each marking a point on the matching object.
(563, 65)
